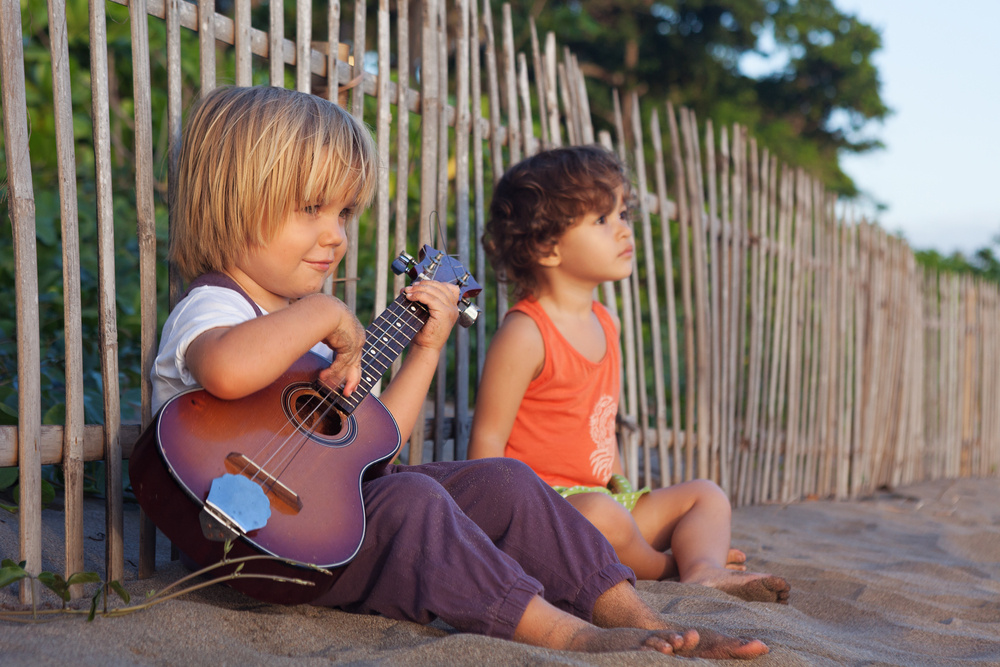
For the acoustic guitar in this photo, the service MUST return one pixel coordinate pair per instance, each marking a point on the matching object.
(279, 472)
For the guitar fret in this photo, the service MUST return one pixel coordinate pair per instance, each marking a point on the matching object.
(386, 338)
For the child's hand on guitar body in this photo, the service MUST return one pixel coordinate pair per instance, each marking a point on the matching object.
(348, 341)
(440, 299)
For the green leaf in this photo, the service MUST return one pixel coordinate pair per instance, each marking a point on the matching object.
(8, 415)
(48, 492)
(6, 562)
(55, 415)
(117, 587)
(55, 583)
(11, 573)
(83, 578)
(8, 476)
(93, 603)
(10, 508)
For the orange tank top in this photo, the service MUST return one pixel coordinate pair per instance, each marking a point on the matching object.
(565, 426)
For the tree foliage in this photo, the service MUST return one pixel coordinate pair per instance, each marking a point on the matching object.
(689, 51)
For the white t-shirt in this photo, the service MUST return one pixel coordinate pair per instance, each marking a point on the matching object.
(204, 308)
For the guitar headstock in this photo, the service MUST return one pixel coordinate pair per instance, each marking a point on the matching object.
(432, 264)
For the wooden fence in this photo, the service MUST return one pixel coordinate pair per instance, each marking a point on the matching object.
(809, 355)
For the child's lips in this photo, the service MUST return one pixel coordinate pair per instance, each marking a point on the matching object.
(320, 265)
(627, 252)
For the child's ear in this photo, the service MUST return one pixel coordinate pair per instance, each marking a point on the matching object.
(552, 259)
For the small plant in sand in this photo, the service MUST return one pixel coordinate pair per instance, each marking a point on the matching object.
(11, 572)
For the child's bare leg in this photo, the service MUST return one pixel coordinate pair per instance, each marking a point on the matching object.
(619, 527)
(617, 524)
(693, 519)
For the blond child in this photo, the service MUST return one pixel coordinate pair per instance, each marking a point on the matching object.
(549, 392)
(267, 180)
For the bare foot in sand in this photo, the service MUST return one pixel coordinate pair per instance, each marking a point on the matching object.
(621, 607)
(689, 643)
(623, 622)
(750, 586)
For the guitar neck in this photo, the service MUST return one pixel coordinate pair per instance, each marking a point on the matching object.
(385, 339)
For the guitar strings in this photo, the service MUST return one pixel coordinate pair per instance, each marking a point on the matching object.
(373, 351)
(376, 350)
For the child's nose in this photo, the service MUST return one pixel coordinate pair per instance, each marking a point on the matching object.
(333, 233)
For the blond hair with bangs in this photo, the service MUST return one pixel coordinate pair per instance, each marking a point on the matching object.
(250, 157)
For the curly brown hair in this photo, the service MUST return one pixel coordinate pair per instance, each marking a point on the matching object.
(541, 197)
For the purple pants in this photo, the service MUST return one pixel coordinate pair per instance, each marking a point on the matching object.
(472, 542)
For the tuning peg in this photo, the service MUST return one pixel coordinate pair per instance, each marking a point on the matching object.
(468, 313)
(402, 264)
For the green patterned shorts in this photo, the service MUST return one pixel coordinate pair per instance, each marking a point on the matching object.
(618, 488)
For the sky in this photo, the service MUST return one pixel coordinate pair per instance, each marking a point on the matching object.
(939, 174)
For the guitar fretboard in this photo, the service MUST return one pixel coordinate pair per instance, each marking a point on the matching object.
(385, 340)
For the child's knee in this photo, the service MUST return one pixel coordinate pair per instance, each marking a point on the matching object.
(707, 491)
(608, 515)
(398, 498)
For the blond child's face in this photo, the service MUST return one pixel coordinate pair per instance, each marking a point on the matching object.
(307, 248)
(598, 247)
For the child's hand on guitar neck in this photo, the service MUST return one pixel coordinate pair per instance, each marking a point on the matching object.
(441, 300)
(348, 341)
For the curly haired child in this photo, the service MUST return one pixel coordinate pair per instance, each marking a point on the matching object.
(267, 180)
(549, 392)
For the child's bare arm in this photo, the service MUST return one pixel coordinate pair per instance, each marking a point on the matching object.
(233, 362)
(514, 359)
(406, 393)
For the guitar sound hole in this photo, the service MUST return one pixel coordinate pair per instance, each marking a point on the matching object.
(317, 415)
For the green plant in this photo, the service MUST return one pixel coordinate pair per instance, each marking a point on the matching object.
(11, 572)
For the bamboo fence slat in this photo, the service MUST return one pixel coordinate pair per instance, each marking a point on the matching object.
(496, 149)
(108, 332)
(701, 303)
(72, 444)
(629, 329)
(241, 40)
(21, 204)
(478, 180)
(441, 209)
(463, 124)
(402, 130)
(146, 231)
(530, 144)
(551, 91)
(653, 301)
(540, 85)
(206, 43)
(683, 218)
(303, 49)
(715, 293)
(669, 292)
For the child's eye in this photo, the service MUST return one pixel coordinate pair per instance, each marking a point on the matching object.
(311, 209)
(347, 213)
(603, 220)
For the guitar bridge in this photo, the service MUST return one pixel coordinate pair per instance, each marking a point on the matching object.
(289, 502)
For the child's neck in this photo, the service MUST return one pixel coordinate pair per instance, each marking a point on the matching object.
(571, 299)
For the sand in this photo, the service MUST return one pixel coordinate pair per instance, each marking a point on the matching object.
(905, 578)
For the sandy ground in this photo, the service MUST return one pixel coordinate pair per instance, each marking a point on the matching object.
(907, 578)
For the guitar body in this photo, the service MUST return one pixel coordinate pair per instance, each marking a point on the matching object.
(311, 473)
